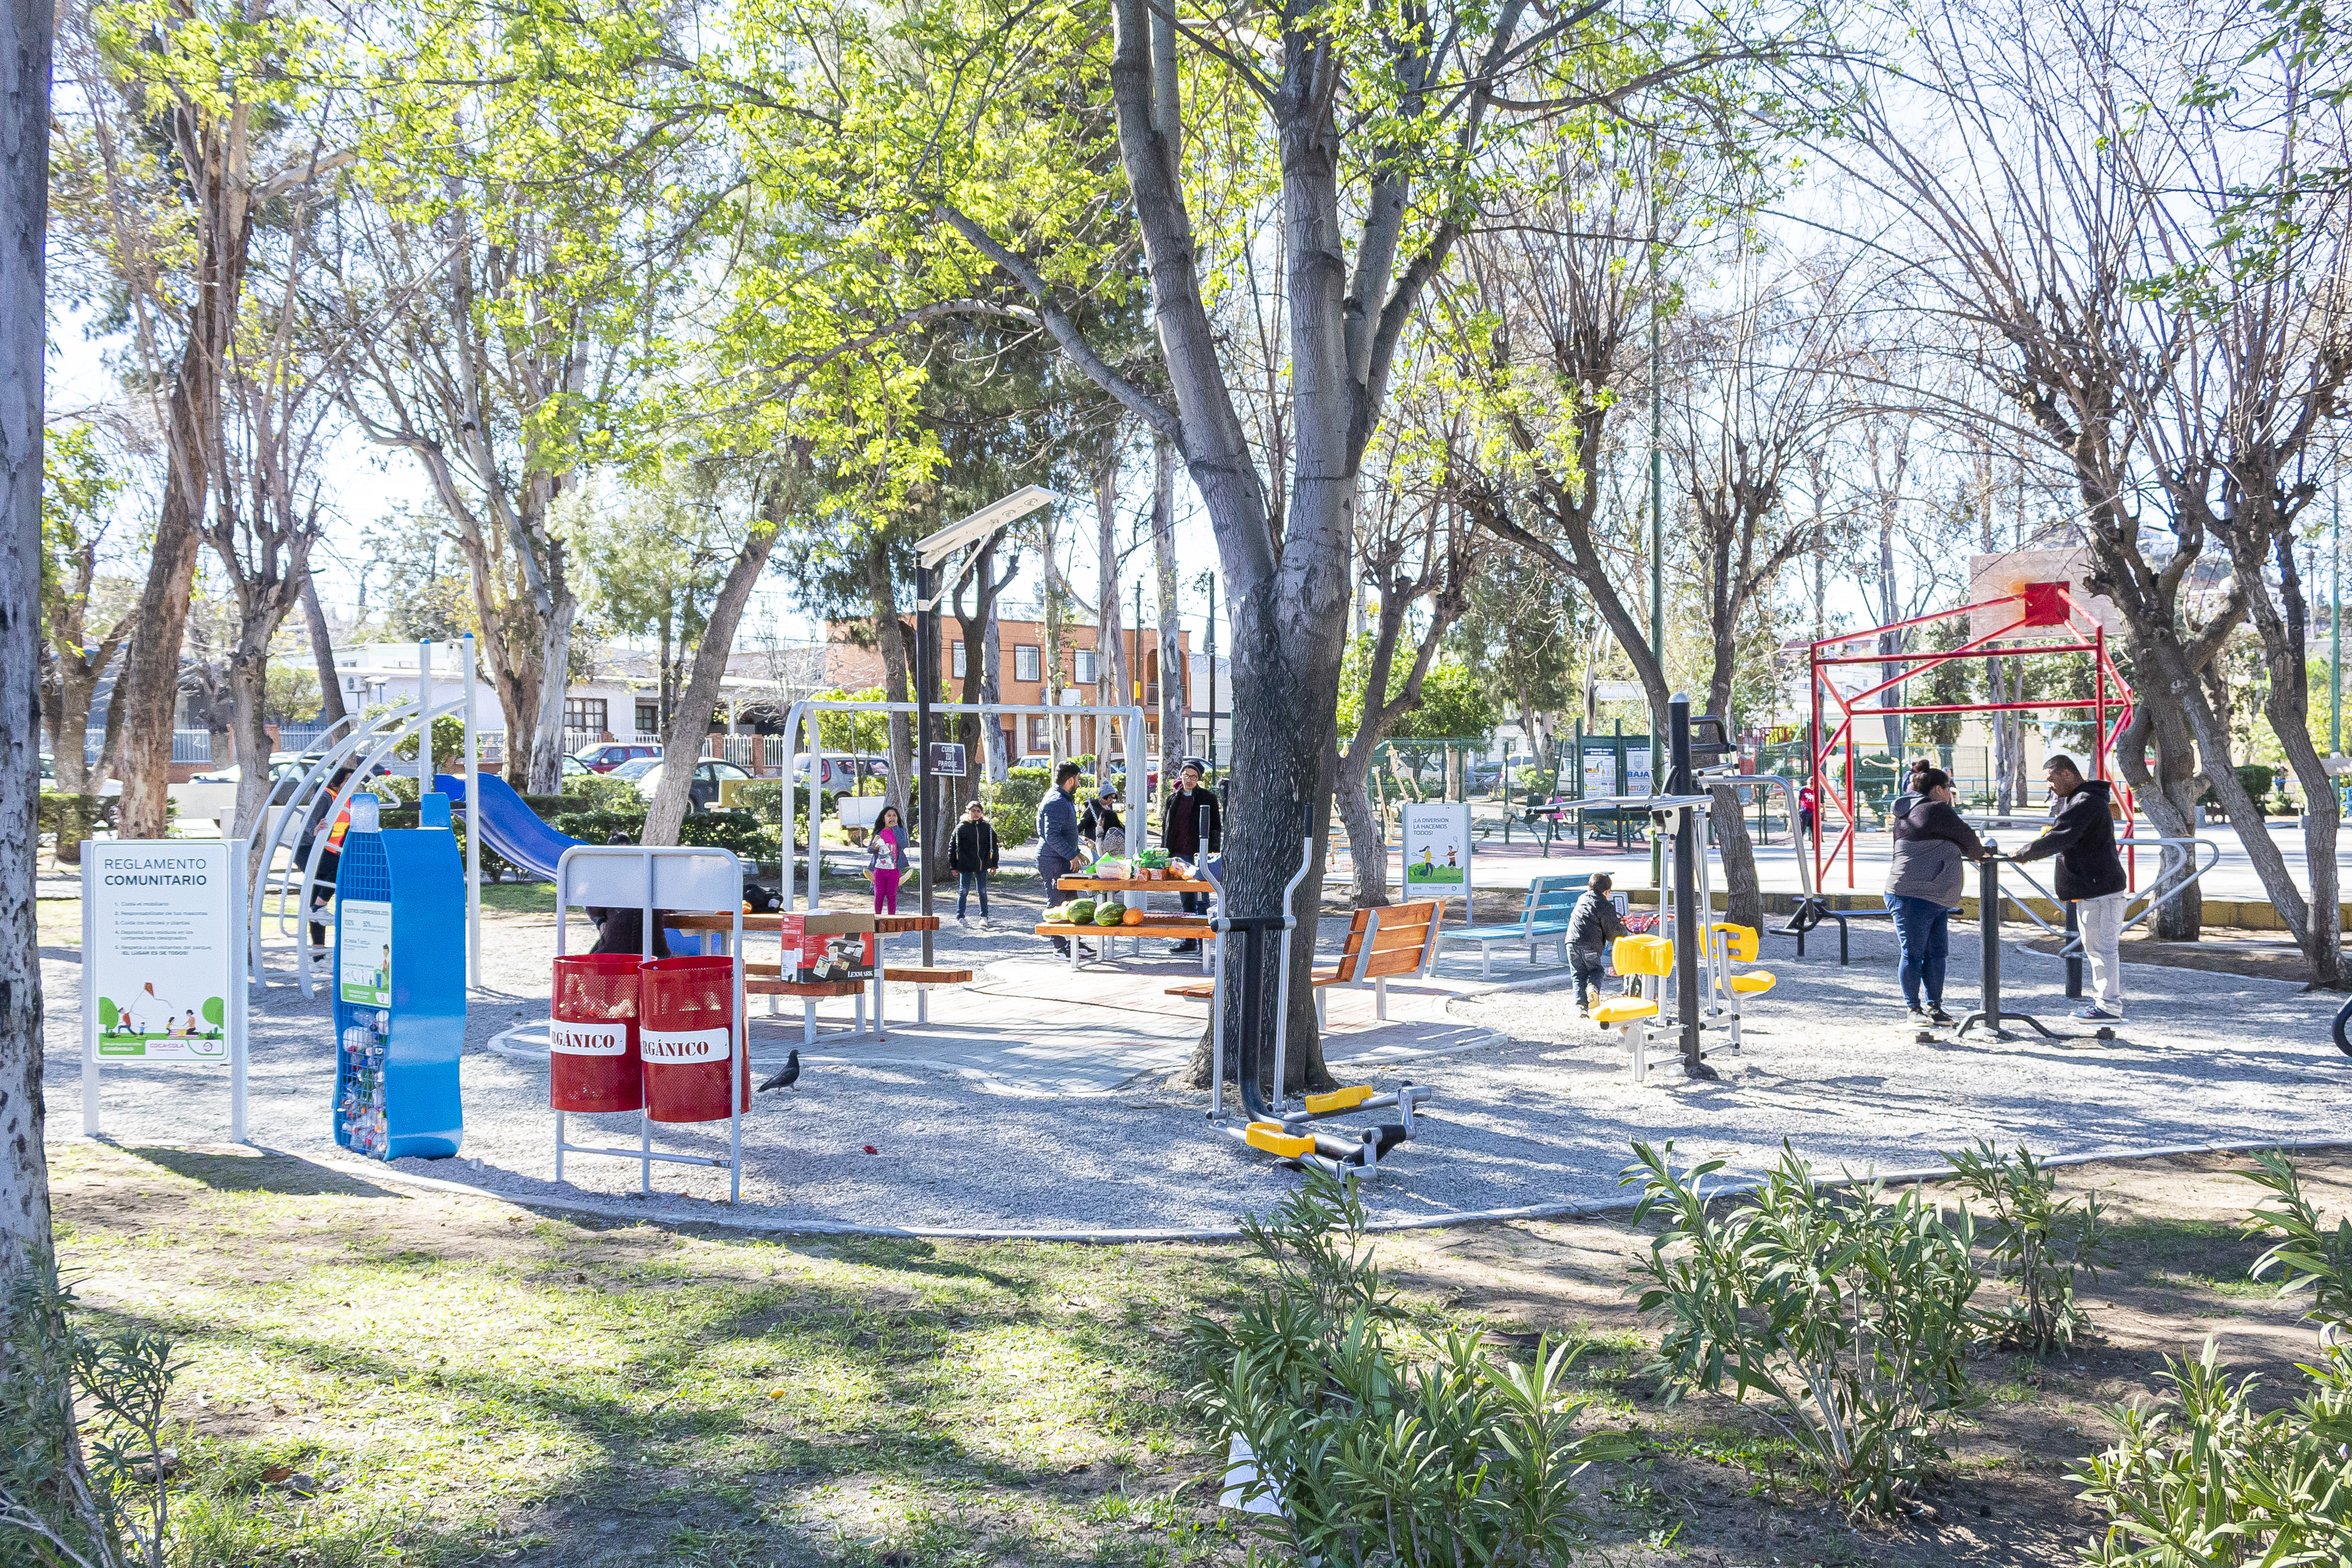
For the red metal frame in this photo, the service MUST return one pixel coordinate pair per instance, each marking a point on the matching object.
(2037, 605)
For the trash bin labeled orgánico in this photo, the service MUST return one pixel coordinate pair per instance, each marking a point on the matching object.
(686, 1034)
(591, 1034)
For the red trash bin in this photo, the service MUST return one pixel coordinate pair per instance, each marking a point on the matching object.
(686, 1034)
(593, 1055)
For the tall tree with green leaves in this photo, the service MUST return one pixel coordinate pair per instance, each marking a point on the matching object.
(86, 617)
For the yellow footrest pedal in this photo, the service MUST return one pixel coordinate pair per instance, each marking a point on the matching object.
(1625, 1010)
(1755, 984)
(1337, 1100)
(1276, 1139)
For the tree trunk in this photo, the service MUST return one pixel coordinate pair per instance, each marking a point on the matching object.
(690, 720)
(1174, 676)
(554, 679)
(248, 678)
(25, 1234)
(890, 634)
(148, 692)
(1368, 857)
(322, 653)
(2167, 794)
(74, 681)
(1111, 636)
(991, 677)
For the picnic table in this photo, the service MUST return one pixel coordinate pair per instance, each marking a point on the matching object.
(884, 927)
(1183, 927)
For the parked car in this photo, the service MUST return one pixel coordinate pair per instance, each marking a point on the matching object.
(610, 755)
(703, 792)
(574, 767)
(838, 771)
(1035, 760)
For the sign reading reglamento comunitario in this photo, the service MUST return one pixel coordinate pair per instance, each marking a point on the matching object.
(164, 959)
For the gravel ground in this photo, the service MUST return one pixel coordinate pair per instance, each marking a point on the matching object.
(1545, 1117)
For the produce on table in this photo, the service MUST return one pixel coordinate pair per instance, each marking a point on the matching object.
(1078, 911)
(1133, 917)
(1111, 915)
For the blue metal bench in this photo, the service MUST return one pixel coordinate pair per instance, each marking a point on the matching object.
(1545, 916)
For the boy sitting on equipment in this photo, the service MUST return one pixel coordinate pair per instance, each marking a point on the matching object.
(1592, 925)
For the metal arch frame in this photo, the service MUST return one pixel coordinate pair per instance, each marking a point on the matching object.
(2031, 608)
(804, 713)
(386, 732)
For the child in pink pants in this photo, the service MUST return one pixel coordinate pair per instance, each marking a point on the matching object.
(888, 860)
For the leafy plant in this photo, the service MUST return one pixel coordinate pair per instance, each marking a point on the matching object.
(94, 1496)
(1380, 1442)
(2311, 1257)
(2039, 1245)
(1846, 1312)
(2209, 1482)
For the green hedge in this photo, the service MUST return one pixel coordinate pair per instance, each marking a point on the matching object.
(749, 835)
(1013, 804)
(58, 809)
(598, 791)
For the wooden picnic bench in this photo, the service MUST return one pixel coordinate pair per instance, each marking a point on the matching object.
(1381, 943)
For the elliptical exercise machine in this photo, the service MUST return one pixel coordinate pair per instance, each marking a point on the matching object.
(1289, 1134)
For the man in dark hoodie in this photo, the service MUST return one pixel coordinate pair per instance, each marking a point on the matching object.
(2090, 876)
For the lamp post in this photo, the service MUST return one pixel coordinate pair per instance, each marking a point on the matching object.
(1657, 519)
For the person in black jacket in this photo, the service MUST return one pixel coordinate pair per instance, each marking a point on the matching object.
(1592, 924)
(1924, 881)
(1191, 827)
(2090, 876)
(971, 857)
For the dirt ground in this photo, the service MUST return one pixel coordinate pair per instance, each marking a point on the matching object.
(2223, 950)
(478, 1382)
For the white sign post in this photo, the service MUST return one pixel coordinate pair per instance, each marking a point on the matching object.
(163, 960)
(1437, 852)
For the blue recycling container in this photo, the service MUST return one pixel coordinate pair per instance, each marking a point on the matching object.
(400, 993)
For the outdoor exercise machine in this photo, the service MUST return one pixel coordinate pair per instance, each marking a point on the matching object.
(664, 1038)
(360, 746)
(1289, 1134)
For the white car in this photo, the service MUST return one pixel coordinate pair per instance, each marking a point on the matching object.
(709, 773)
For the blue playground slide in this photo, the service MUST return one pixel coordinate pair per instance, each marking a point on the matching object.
(508, 826)
(520, 836)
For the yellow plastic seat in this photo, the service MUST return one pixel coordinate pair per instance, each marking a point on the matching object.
(1755, 982)
(1275, 1139)
(1337, 1100)
(1741, 943)
(1642, 955)
(1624, 1009)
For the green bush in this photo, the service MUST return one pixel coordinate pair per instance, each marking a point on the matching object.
(600, 792)
(2203, 1479)
(753, 837)
(2257, 779)
(764, 798)
(598, 827)
(2038, 1246)
(1384, 1442)
(62, 818)
(1848, 1315)
(1013, 804)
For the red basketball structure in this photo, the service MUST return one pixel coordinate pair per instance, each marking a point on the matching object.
(2034, 604)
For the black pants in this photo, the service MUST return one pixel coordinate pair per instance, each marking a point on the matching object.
(1585, 964)
(1051, 870)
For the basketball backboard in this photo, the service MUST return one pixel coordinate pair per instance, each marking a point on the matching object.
(2007, 573)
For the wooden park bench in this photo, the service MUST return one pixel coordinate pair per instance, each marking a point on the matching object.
(1380, 943)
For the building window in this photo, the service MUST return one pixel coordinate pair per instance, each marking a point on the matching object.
(584, 713)
(1085, 659)
(1025, 665)
(1037, 730)
(649, 717)
(959, 661)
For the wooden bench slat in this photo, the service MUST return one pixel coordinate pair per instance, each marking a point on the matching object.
(797, 988)
(917, 975)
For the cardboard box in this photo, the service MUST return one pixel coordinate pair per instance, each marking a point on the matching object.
(828, 947)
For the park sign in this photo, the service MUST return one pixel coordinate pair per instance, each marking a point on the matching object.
(163, 960)
(1437, 850)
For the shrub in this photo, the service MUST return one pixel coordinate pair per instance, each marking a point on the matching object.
(752, 837)
(1383, 1443)
(600, 792)
(2202, 1478)
(1846, 1313)
(598, 827)
(2038, 1246)
(63, 819)
(1013, 804)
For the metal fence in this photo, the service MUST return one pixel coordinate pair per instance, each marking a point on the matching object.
(192, 746)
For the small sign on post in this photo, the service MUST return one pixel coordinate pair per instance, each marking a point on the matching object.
(1437, 851)
(162, 944)
(944, 758)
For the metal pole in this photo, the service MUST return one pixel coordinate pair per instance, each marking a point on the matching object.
(1657, 510)
(1213, 673)
(926, 673)
(1694, 919)
(2335, 629)
(2074, 954)
(474, 815)
(424, 724)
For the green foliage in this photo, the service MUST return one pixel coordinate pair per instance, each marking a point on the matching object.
(754, 838)
(2206, 1481)
(601, 792)
(599, 826)
(1453, 704)
(2038, 1245)
(2310, 1257)
(1012, 805)
(69, 819)
(1848, 1314)
(1382, 1441)
(289, 695)
(52, 1512)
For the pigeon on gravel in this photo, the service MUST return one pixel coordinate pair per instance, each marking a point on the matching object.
(788, 1077)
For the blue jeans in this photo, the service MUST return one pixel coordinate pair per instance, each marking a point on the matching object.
(1925, 929)
(965, 882)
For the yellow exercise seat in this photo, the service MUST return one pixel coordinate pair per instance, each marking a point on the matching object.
(1624, 1009)
(1642, 955)
(1275, 1139)
(1337, 1100)
(1755, 982)
(1741, 943)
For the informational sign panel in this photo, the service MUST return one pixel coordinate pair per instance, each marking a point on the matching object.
(1600, 770)
(1638, 776)
(944, 758)
(163, 946)
(364, 976)
(1436, 849)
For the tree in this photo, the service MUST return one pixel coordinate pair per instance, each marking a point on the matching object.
(1517, 637)
(192, 120)
(85, 621)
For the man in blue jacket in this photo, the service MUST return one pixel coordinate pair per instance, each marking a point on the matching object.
(2090, 876)
(1057, 838)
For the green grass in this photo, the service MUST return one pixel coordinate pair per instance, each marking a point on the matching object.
(469, 1387)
